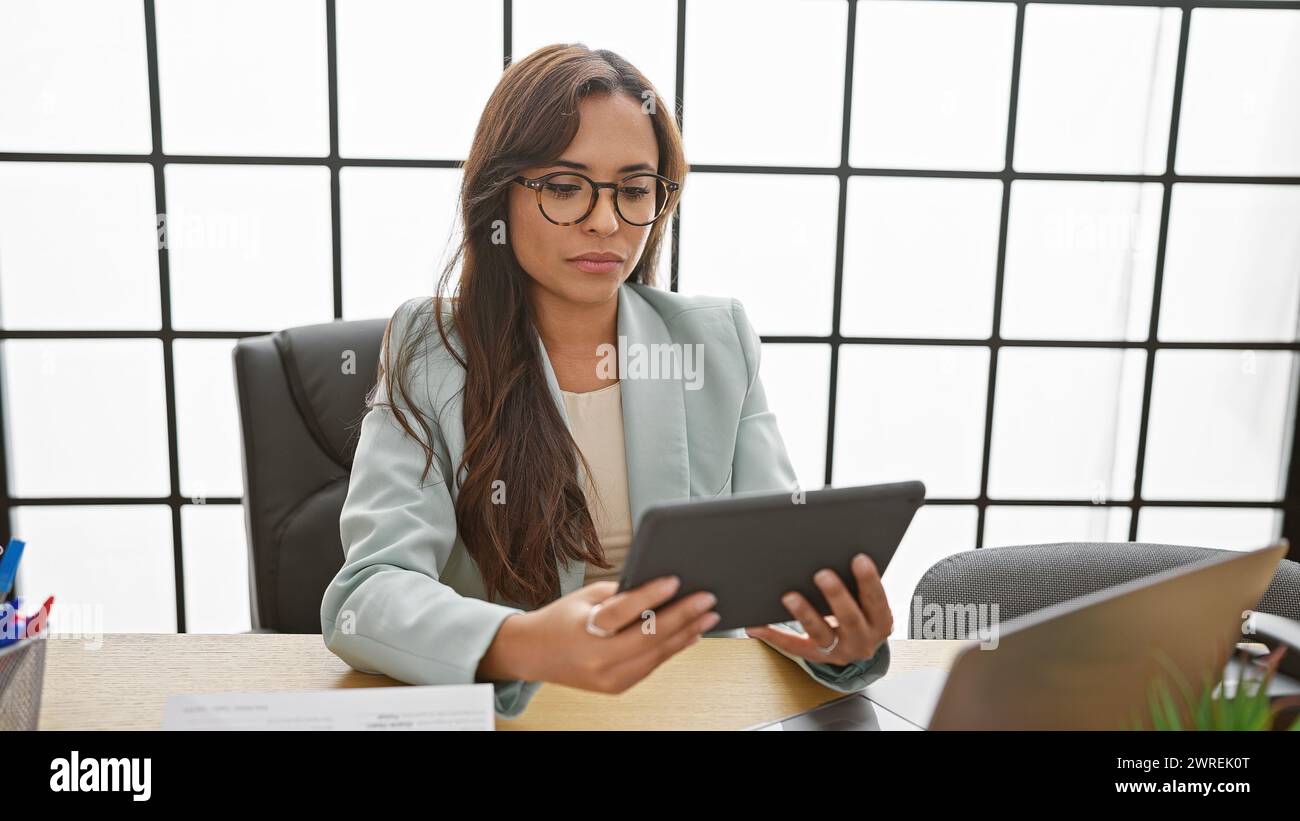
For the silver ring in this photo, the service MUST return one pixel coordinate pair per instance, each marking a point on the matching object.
(595, 629)
(835, 642)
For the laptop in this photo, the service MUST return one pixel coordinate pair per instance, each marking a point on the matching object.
(1084, 664)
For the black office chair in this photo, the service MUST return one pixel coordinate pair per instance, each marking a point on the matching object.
(301, 396)
(1023, 579)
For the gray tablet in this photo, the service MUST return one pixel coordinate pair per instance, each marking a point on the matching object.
(751, 548)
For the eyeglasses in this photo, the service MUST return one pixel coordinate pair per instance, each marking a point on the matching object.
(567, 197)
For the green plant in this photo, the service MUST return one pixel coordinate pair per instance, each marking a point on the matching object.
(1248, 708)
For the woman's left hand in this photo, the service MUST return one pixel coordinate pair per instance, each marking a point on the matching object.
(861, 624)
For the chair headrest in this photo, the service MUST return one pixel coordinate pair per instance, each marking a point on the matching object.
(330, 369)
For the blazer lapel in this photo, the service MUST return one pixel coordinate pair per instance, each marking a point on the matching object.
(654, 413)
(654, 419)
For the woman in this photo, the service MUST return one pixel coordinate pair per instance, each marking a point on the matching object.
(503, 463)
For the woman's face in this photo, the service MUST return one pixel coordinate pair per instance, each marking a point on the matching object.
(615, 138)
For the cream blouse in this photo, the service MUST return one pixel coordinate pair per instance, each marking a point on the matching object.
(596, 419)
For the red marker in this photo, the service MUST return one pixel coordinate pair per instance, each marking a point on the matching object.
(36, 622)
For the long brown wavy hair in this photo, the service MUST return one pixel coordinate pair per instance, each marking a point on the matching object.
(514, 432)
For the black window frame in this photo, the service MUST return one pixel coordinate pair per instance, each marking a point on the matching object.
(1289, 505)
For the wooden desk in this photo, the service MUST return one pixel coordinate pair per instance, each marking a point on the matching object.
(719, 683)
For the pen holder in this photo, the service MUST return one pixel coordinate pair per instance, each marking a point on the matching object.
(22, 675)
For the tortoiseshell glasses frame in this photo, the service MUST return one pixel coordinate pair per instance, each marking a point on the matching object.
(546, 183)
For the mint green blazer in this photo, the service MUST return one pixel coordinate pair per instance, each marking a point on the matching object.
(409, 602)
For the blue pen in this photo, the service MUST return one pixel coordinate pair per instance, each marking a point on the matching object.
(9, 565)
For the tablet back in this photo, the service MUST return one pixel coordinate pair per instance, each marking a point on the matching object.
(749, 549)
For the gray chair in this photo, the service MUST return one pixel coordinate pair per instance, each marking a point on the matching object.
(300, 407)
(1026, 578)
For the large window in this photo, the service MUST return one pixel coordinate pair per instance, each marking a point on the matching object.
(1043, 256)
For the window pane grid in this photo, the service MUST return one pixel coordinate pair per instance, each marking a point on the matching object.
(1288, 504)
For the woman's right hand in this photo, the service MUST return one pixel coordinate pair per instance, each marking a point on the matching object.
(552, 644)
